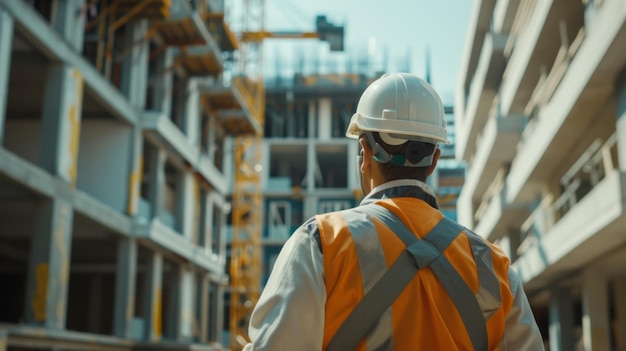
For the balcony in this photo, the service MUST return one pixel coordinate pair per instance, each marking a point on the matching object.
(198, 51)
(534, 47)
(495, 147)
(482, 91)
(585, 223)
(578, 103)
(504, 15)
(237, 105)
(495, 216)
(480, 20)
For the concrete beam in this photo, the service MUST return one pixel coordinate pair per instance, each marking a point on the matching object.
(6, 39)
(48, 269)
(101, 213)
(125, 278)
(163, 236)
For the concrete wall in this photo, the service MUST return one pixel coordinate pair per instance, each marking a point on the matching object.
(104, 161)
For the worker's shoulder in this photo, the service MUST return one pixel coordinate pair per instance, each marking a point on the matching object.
(478, 241)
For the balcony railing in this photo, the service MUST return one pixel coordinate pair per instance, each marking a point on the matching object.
(587, 172)
(549, 81)
(494, 190)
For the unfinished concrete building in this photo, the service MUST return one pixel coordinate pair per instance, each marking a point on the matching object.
(540, 110)
(112, 185)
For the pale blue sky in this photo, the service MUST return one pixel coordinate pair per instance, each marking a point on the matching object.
(396, 28)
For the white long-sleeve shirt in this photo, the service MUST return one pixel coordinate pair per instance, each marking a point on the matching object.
(290, 312)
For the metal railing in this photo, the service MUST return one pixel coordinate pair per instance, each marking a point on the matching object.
(586, 173)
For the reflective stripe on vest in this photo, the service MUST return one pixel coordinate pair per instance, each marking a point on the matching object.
(366, 244)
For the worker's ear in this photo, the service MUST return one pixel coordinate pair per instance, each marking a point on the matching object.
(366, 152)
(431, 168)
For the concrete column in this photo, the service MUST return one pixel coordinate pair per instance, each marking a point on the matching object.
(6, 38)
(514, 242)
(185, 204)
(216, 306)
(69, 22)
(152, 299)
(212, 238)
(164, 82)
(221, 232)
(433, 180)
(49, 263)
(310, 205)
(180, 304)
(134, 77)
(619, 291)
(313, 132)
(135, 159)
(211, 140)
(202, 307)
(620, 91)
(596, 325)
(199, 215)
(124, 309)
(216, 225)
(219, 316)
(173, 305)
(324, 118)
(191, 117)
(157, 181)
(187, 304)
(353, 171)
(60, 129)
(311, 167)
(178, 104)
(562, 334)
(4, 340)
(95, 303)
(228, 161)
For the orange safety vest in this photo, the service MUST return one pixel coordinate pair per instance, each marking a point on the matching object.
(358, 249)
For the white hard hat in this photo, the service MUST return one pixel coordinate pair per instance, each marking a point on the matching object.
(400, 107)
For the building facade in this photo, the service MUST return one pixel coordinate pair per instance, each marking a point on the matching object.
(309, 166)
(113, 190)
(539, 121)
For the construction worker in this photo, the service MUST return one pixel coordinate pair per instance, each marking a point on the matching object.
(393, 273)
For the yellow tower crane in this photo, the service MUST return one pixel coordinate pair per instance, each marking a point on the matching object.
(245, 264)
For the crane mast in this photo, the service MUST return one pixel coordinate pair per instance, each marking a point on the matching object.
(245, 266)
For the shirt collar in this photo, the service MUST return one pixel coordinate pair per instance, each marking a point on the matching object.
(402, 188)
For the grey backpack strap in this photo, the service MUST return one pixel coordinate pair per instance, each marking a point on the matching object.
(419, 254)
